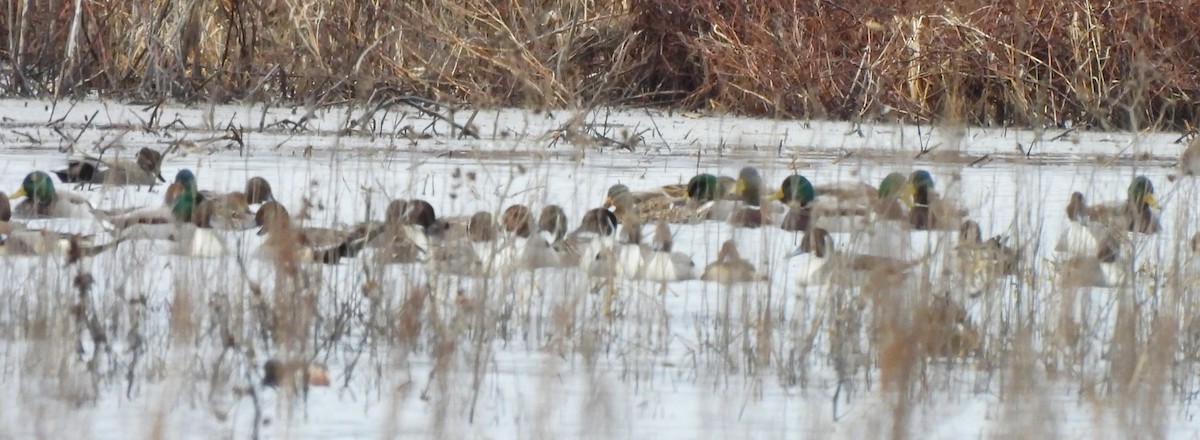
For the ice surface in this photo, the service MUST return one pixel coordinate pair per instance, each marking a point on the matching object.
(661, 373)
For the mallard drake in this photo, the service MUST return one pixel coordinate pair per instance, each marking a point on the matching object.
(1104, 269)
(145, 170)
(663, 265)
(929, 210)
(15, 239)
(43, 201)
(731, 268)
(749, 187)
(1133, 214)
(808, 207)
(161, 222)
(1189, 160)
(288, 243)
(816, 262)
(887, 205)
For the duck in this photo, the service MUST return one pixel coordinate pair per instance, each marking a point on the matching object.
(1134, 214)
(594, 235)
(43, 201)
(630, 252)
(17, 240)
(196, 238)
(286, 242)
(146, 169)
(1081, 236)
(158, 222)
(816, 262)
(890, 203)
(662, 264)
(517, 221)
(405, 235)
(929, 211)
(233, 210)
(473, 251)
(1104, 269)
(808, 206)
(749, 187)
(1189, 160)
(730, 268)
(704, 197)
(983, 261)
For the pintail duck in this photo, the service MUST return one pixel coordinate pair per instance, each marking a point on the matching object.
(593, 236)
(43, 201)
(1133, 214)
(286, 242)
(1081, 236)
(929, 211)
(232, 210)
(1104, 269)
(663, 265)
(816, 262)
(704, 197)
(730, 268)
(145, 170)
(405, 235)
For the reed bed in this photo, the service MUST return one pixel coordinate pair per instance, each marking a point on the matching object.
(1112, 65)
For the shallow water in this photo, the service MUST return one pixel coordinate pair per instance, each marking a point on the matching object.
(671, 363)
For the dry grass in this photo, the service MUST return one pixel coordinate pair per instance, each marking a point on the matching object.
(1023, 62)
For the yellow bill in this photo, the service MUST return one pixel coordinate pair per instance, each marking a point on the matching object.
(20, 192)
(907, 194)
(1150, 200)
(776, 196)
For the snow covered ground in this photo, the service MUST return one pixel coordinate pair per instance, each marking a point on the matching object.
(554, 354)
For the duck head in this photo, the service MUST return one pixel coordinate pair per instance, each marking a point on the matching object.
(38, 187)
(186, 179)
(920, 182)
(481, 228)
(795, 189)
(553, 221)
(517, 220)
(969, 233)
(271, 216)
(892, 186)
(728, 252)
(598, 221)
(749, 186)
(258, 190)
(420, 213)
(704, 188)
(150, 161)
(614, 192)
(1077, 209)
(1141, 193)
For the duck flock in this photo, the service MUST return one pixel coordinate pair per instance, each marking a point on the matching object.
(629, 236)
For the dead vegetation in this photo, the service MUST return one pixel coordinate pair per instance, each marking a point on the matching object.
(1024, 62)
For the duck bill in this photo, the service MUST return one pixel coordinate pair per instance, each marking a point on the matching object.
(1151, 200)
(796, 253)
(20, 192)
(776, 196)
(908, 194)
(739, 186)
(608, 202)
(160, 177)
